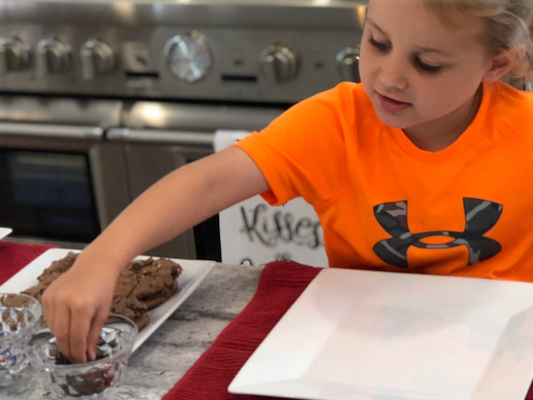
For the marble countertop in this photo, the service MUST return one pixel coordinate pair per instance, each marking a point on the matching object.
(171, 350)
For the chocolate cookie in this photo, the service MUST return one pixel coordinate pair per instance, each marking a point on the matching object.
(50, 274)
(141, 285)
(157, 282)
(131, 308)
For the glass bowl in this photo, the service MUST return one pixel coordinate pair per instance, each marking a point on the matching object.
(20, 315)
(92, 380)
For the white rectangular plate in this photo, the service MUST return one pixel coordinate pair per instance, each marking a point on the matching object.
(194, 272)
(363, 335)
(4, 232)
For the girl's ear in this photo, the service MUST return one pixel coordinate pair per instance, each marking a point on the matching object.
(504, 62)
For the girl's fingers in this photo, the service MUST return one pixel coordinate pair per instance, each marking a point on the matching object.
(48, 311)
(94, 333)
(75, 315)
(80, 323)
(60, 328)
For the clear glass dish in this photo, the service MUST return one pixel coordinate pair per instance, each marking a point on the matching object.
(19, 318)
(93, 380)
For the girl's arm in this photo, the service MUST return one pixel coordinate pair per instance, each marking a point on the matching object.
(77, 304)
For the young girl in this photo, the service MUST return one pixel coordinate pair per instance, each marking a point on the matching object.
(425, 167)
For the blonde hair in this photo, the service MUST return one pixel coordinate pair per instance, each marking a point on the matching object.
(506, 23)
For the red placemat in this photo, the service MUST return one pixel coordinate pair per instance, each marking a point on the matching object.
(279, 286)
(15, 256)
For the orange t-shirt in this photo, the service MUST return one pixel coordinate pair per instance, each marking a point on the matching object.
(384, 204)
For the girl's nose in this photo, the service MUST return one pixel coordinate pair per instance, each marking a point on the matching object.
(392, 74)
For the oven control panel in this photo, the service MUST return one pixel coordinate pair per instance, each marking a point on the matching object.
(242, 64)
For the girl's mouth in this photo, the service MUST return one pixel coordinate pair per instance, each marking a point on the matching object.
(392, 106)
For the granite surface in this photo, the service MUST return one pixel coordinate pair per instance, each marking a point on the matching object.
(171, 350)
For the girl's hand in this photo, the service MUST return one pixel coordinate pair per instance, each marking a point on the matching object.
(76, 306)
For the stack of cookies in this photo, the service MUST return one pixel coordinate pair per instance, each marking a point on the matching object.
(141, 285)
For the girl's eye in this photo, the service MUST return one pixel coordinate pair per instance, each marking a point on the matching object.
(383, 47)
(426, 67)
(378, 45)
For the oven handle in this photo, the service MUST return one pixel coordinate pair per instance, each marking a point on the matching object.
(161, 136)
(53, 131)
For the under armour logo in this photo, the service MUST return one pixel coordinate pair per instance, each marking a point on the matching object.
(480, 215)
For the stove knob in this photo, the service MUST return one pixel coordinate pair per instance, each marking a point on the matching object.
(97, 58)
(348, 62)
(14, 55)
(279, 63)
(189, 57)
(52, 56)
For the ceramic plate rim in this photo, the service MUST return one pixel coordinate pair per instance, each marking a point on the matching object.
(5, 232)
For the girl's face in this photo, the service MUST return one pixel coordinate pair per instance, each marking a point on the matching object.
(420, 74)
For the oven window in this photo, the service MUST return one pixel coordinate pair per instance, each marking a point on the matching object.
(47, 195)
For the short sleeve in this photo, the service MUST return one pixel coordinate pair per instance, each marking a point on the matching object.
(303, 152)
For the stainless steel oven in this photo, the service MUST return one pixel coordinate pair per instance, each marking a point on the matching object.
(98, 100)
(60, 181)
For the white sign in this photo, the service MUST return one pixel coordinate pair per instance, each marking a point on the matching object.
(253, 232)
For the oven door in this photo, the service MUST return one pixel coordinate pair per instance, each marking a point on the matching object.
(161, 137)
(152, 154)
(59, 184)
